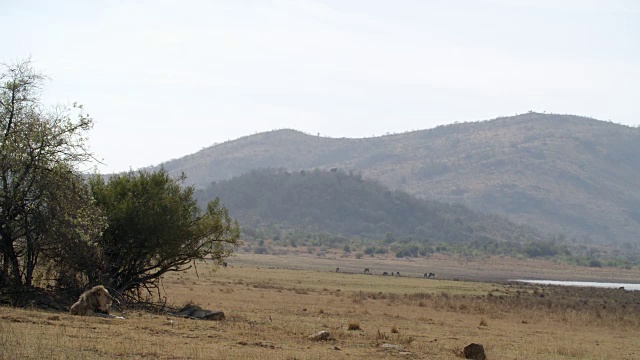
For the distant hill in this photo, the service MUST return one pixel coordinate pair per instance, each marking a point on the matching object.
(346, 205)
(559, 173)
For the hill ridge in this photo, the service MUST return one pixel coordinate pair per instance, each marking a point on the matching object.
(561, 173)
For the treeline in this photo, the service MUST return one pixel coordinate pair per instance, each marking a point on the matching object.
(337, 208)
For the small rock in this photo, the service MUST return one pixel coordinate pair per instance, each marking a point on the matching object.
(321, 335)
(390, 347)
(474, 351)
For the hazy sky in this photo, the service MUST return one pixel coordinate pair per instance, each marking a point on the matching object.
(164, 79)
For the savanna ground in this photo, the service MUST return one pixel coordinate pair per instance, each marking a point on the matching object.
(273, 303)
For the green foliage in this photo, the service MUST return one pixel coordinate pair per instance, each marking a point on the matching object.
(156, 226)
(46, 213)
(373, 250)
(407, 251)
(545, 249)
(595, 263)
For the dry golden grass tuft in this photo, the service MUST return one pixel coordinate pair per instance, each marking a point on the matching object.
(271, 311)
(354, 325)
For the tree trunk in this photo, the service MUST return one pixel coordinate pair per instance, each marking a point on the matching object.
(15, 278)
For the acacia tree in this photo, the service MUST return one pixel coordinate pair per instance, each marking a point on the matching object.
(155, 226)
(41, 193)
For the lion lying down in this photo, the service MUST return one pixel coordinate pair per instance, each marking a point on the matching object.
(95, 301)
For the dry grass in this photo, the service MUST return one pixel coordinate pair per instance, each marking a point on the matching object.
(271, 311)
(354, 325)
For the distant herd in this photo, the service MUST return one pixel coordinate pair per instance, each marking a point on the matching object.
(427, 275)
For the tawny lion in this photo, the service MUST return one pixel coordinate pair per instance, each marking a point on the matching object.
(95, 301)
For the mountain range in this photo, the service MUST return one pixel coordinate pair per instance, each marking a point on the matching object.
(558, 173)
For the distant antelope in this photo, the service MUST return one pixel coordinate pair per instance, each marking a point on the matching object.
(337, 269)
(366, 271)
(385, 273)
(429, 275)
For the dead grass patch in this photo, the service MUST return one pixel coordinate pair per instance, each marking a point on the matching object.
(266, 319)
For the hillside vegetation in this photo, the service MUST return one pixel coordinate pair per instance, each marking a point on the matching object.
(559, 173)
(338, 209)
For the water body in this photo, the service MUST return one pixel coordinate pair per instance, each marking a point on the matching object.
(584, 284)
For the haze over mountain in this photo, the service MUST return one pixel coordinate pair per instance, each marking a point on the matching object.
(345, 203)
(559, 173)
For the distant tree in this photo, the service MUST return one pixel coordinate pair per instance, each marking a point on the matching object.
(44, 204)
(595, 263)
(155, 226)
